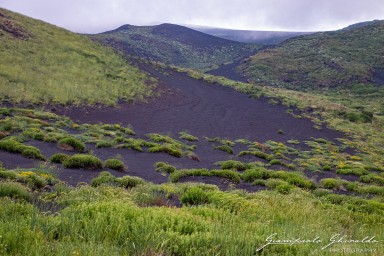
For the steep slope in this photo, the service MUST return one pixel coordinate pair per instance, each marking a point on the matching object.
(41, 63)
(250, 36)
(343, 59)
(174, 45)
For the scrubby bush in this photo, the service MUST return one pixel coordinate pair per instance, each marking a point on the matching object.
(274, 183)
(232, 164)
(372, 178)
(115, 164)
(166, 148)
(187, 136)
(13, 146)
(129, 181)
(254, 174)
(284, 188)
(72, 143)
(275, 161)
(103, 178)
(9, 175)
(58, 158)
(104, 144)
(256, 153)
(330, 183)
(194, 196)
(225, 148)
(14, 190)
(32, 152)
(83, 161)
(359, 171)
(228, 174)
(164, 167)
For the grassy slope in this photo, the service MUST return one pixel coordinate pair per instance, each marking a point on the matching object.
(342, 58)
(108, 220)
(174, 45)
(43, 63)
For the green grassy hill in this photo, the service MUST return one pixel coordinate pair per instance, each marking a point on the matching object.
(41, 63)
(174, 45)
(349, 57)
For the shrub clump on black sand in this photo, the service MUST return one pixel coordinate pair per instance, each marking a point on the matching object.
(70, 144)
(59, 158)
(194, 196)
(13, 146)
(164, 167)
(14, 190)
(83, 161)
(115, 164)
(187, 136)
(108, 179)
(225, 148)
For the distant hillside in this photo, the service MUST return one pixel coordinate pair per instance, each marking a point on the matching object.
(42, 63)
(174, 45)
(343, 58)
(250, 36)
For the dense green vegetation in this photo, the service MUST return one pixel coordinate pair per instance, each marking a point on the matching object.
(174, 45)
(127, 216)
(350, 57)
(41, 63)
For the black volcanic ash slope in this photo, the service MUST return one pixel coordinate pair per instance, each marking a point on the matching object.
(174, 45)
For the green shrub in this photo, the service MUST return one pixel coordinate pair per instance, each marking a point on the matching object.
(254, 174)
(177, 175)
(72, 142)
(9, 175)
(11, 145)
(103, 178)
(294, 179)
(166, 148)
(194, 196)
(83, 161)
(274, 183)
(372, 178)
(14, 190)
(256, 153)
(284, 188)
(274, 161)
(32, 152)
(115, 164)
(33, 133)
(359, 171)
(330, 183)
(228, 174)
(104, 144)
(129, 181)
(225, 148)
(232, 164)
(187, 136)
(259, 182)
(164, 167)
(58, 158)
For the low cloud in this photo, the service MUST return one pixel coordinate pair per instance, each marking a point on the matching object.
(91, 16)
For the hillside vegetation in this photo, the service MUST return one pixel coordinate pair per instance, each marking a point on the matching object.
(174, 45)
(41, 63)
(346, 58)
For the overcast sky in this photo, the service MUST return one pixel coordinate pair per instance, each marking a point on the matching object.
(91, 16)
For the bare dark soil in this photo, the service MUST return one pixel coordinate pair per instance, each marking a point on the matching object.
(190, 105)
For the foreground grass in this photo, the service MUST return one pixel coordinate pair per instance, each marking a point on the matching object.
(109, 220)
(41, 63)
